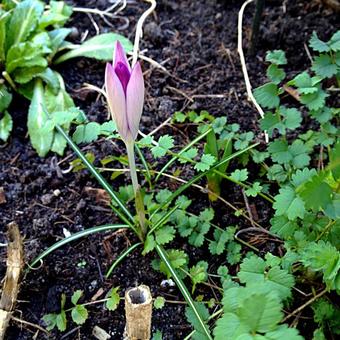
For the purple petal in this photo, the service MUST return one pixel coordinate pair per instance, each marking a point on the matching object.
(123, 74)
(119, 56)
(135, 99)
(116, 100)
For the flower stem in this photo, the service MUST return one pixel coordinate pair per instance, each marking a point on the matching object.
(133, 173)
(136, 189)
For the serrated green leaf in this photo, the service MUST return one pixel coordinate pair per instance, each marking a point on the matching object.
(299, 153)
(318, 45)
(165, 143)
(275, 74)
(163, 195)
(239, 175)
(279, 152)
(316, 193)
(113, 299)
(323, 66)
(157, 335)
(284, 332)
(50, 320)
(149, 244)
(76, 296)
(277, 173)
(283, 227)
(100, 47)
(219, 124)
(322, 115)
(79, 314)
(65, 117)
(86, 133)
(177, 258)
(6, 125)
(260, 312)
(316, 100)
(324, 257)
(229, 326)
(301, 176)
(276, 57)
(335, 42)
(287, 203)
(205, 163)
(198, 273)
(26, 74)
(179, 117)
(233, 253)
(164, 235)
(254, 190)
(192, 319)
(183, 202)
(206, 215)
(270, 122)
(61, 321)
(302, 80)
(267, 95)
(291, 117)
(159, 302)
(189, 154)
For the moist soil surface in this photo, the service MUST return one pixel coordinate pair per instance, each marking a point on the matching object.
(196, 41)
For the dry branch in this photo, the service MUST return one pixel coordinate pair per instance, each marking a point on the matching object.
(15, 263)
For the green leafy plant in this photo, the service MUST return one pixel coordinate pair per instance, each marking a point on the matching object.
(298, 176)
(32, 41)
(79, 312)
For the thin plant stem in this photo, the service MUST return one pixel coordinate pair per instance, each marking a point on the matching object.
(136, 188)
(256, 26)
(132, 164)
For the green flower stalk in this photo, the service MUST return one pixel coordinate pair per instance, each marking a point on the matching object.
(125, 96)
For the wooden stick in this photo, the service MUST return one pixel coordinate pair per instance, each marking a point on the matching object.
(138, 312)
(15, 263)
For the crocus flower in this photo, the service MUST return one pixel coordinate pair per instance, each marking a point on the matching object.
(125, 93)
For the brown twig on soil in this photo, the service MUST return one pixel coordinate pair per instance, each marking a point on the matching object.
(243, 63)
(173, 89)
(292, 92)
(308, 52)
(15, 263)
(248, 207)
(30, 324)
(297, 310)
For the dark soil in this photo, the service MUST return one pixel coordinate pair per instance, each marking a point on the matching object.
(196, 42)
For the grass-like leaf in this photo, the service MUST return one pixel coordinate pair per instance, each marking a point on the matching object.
(121, 257)
(162, 254)
(74, 237)
(99, 178)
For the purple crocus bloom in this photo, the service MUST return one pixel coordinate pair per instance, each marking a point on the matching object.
(125, 93)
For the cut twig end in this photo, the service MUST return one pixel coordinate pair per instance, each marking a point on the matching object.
(139, 296)
(138, 311)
